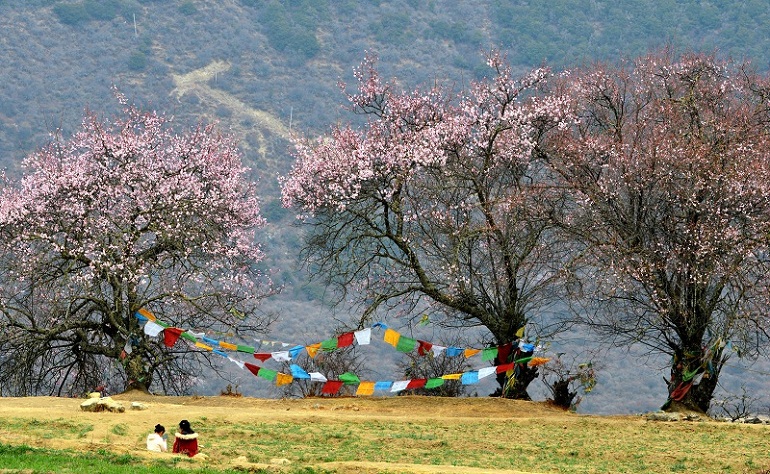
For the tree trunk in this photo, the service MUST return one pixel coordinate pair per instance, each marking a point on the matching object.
(523, 376)
(687, 395)
(137, 376)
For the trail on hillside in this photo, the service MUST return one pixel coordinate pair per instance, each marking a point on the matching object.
(199, 82)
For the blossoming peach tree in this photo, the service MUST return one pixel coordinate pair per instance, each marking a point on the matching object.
(668, 160)
(124, 215)
(436, 200)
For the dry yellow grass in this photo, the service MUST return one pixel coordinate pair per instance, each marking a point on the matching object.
(394, 435)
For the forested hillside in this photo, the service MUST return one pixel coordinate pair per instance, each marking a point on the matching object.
(267, 69)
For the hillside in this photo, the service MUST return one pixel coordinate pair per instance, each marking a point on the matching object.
(267, 69)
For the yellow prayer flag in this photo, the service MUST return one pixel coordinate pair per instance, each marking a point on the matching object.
(312, 349)
(203, 346)
(471, 352)
(146, 314)
(520, 332)
(451, 376)
(283, 379)
(365, 388)
(227, 345)
(392, 337)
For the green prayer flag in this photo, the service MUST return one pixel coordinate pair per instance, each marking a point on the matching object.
(247, 349)
(489, 353)
(161, 323)
(406, 344)
(349, 378)
(329, 344)
(433, 383)
(188, 336)
(523, 360)
(267, 374)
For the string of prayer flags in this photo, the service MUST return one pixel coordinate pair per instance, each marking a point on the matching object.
(153, 328)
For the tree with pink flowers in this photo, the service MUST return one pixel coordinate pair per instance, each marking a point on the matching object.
(125, 215)
(437, 204)
(668, 162)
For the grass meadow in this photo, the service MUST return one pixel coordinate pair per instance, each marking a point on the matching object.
(368, 435)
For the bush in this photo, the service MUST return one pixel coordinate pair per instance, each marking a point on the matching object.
(71, 13)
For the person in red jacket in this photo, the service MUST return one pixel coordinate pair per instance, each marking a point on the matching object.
(185, 440)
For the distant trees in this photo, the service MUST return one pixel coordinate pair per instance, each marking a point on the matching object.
(124, 215)
(437, 200)
(668, 160)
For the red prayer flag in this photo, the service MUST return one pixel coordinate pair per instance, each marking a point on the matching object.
(424, 347)
(331, 387)
(416, 383)
(263, 356)
(504, 351)
(504, 368)
(254, 369)
(345, 340)
(679, 392)
(171, 335)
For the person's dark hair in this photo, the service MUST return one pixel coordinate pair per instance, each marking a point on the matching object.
(184, 425)
(160, 428)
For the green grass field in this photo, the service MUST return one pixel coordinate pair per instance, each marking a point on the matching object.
(370, 435)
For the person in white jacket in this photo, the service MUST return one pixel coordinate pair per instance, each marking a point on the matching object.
(157, 441)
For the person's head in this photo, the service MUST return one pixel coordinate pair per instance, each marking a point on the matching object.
(185, 428)
(160, 429)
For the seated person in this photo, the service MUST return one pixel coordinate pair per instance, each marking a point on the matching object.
(186, 440)
(157, 441)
